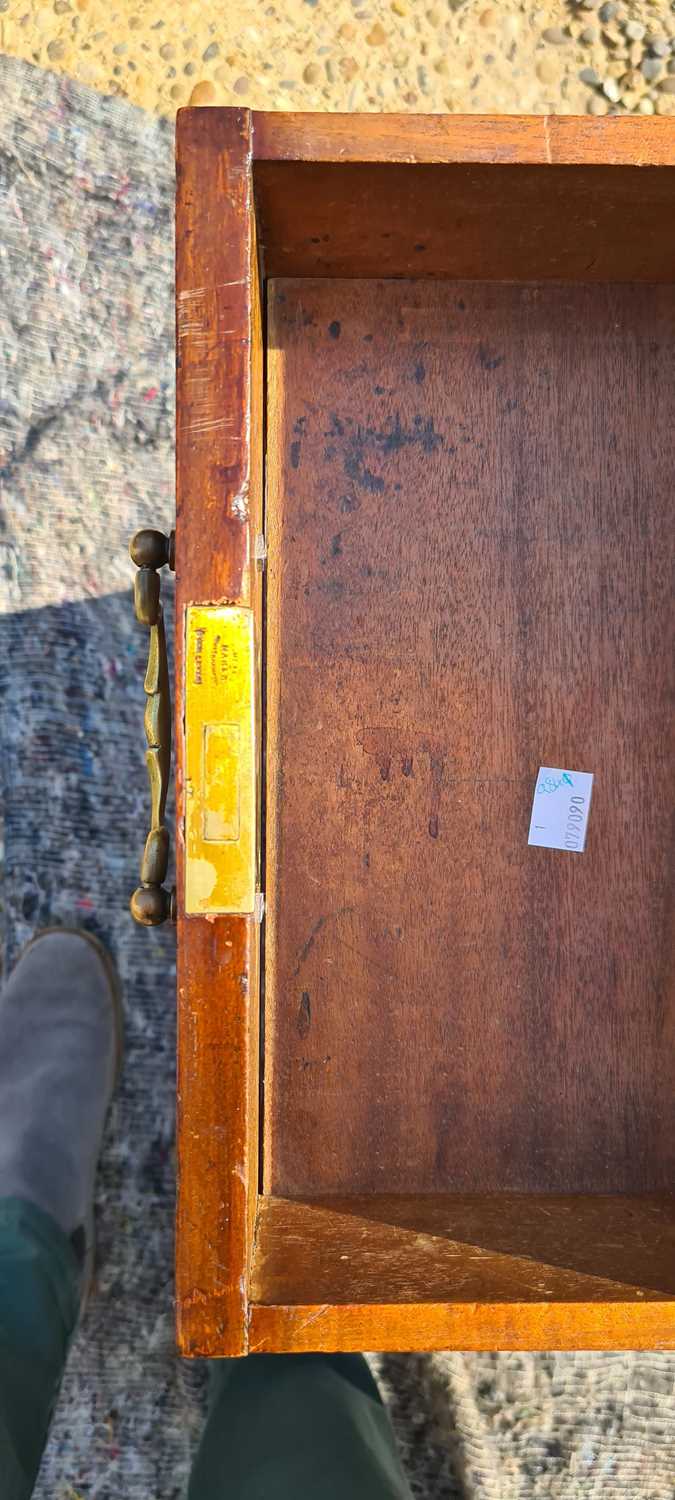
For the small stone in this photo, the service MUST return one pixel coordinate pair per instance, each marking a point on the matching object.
(588, 36)
(399, 8)
(635, 31)
(441, 66)
(203, 92)
(556, 35)
(651, 68)
(630, 99)
(241, 85)
(61, 7)
(433, 17)
(377, 35)
(167, 52)
(488, 17)
(548, 70)
(608, 11)
(119, 49)
(671, 65)
(589, 76)
(348, 31)
(590, 4)
(190, 70)
(646, 106)
(612, 36)
(349, 68)
(667, 86)
(635, 54)
(312, 73)
(597, 105)
(633, 80)
(659, 46)
(611, 90)
(210, 52)
(56, 49)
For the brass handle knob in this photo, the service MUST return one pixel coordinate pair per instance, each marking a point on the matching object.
(150, 550)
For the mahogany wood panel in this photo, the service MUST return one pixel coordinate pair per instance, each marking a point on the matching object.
(501, 1248)
(496, 139)
(492, 196)
(218, 510)
(470, 520)
(464, 1273)
(492, 1325)
(504, 222)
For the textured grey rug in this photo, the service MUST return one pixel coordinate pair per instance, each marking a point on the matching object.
(86, 328)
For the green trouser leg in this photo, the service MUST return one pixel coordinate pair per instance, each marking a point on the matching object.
(296, 1427)
(39, 1304)
(284, 1427)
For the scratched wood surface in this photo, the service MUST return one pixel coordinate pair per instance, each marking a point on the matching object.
(540, 140)
(501, 1248)
(410, 1326)
(427, 196)
(470, 527)
(478, 196)
(502, 1272)
(218, 510)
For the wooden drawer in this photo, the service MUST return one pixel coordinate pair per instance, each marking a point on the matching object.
(427, 1101)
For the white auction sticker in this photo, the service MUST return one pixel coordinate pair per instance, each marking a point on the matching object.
(562, 801)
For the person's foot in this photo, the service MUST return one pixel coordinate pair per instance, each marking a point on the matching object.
(60, 1053)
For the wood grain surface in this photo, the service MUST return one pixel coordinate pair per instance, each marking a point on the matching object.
(499, 197)
(474, 198)
(544, 140)
(218, 510)
(498, 1272)
(470, 529)
(470, 526)
(416, 1326)
(499, 1248)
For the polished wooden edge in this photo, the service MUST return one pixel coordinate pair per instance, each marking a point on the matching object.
(417, 1327)
(218, 500)
(546, 140)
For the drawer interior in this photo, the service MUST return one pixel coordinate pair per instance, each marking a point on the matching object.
(469, 521)
(428, 1101)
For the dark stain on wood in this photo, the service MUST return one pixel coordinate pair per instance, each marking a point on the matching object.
(505, 607)
(488, 360)
(304, 1020)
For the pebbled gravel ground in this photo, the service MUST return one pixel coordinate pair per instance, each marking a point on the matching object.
(559, 56)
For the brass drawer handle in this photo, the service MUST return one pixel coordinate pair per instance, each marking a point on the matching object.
(150, 550)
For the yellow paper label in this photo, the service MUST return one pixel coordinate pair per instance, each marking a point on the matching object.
(220, 784)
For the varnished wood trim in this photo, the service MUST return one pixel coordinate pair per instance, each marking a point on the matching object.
(496, 139)
(418, 1327)
(511, 1271)
(219, 361)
